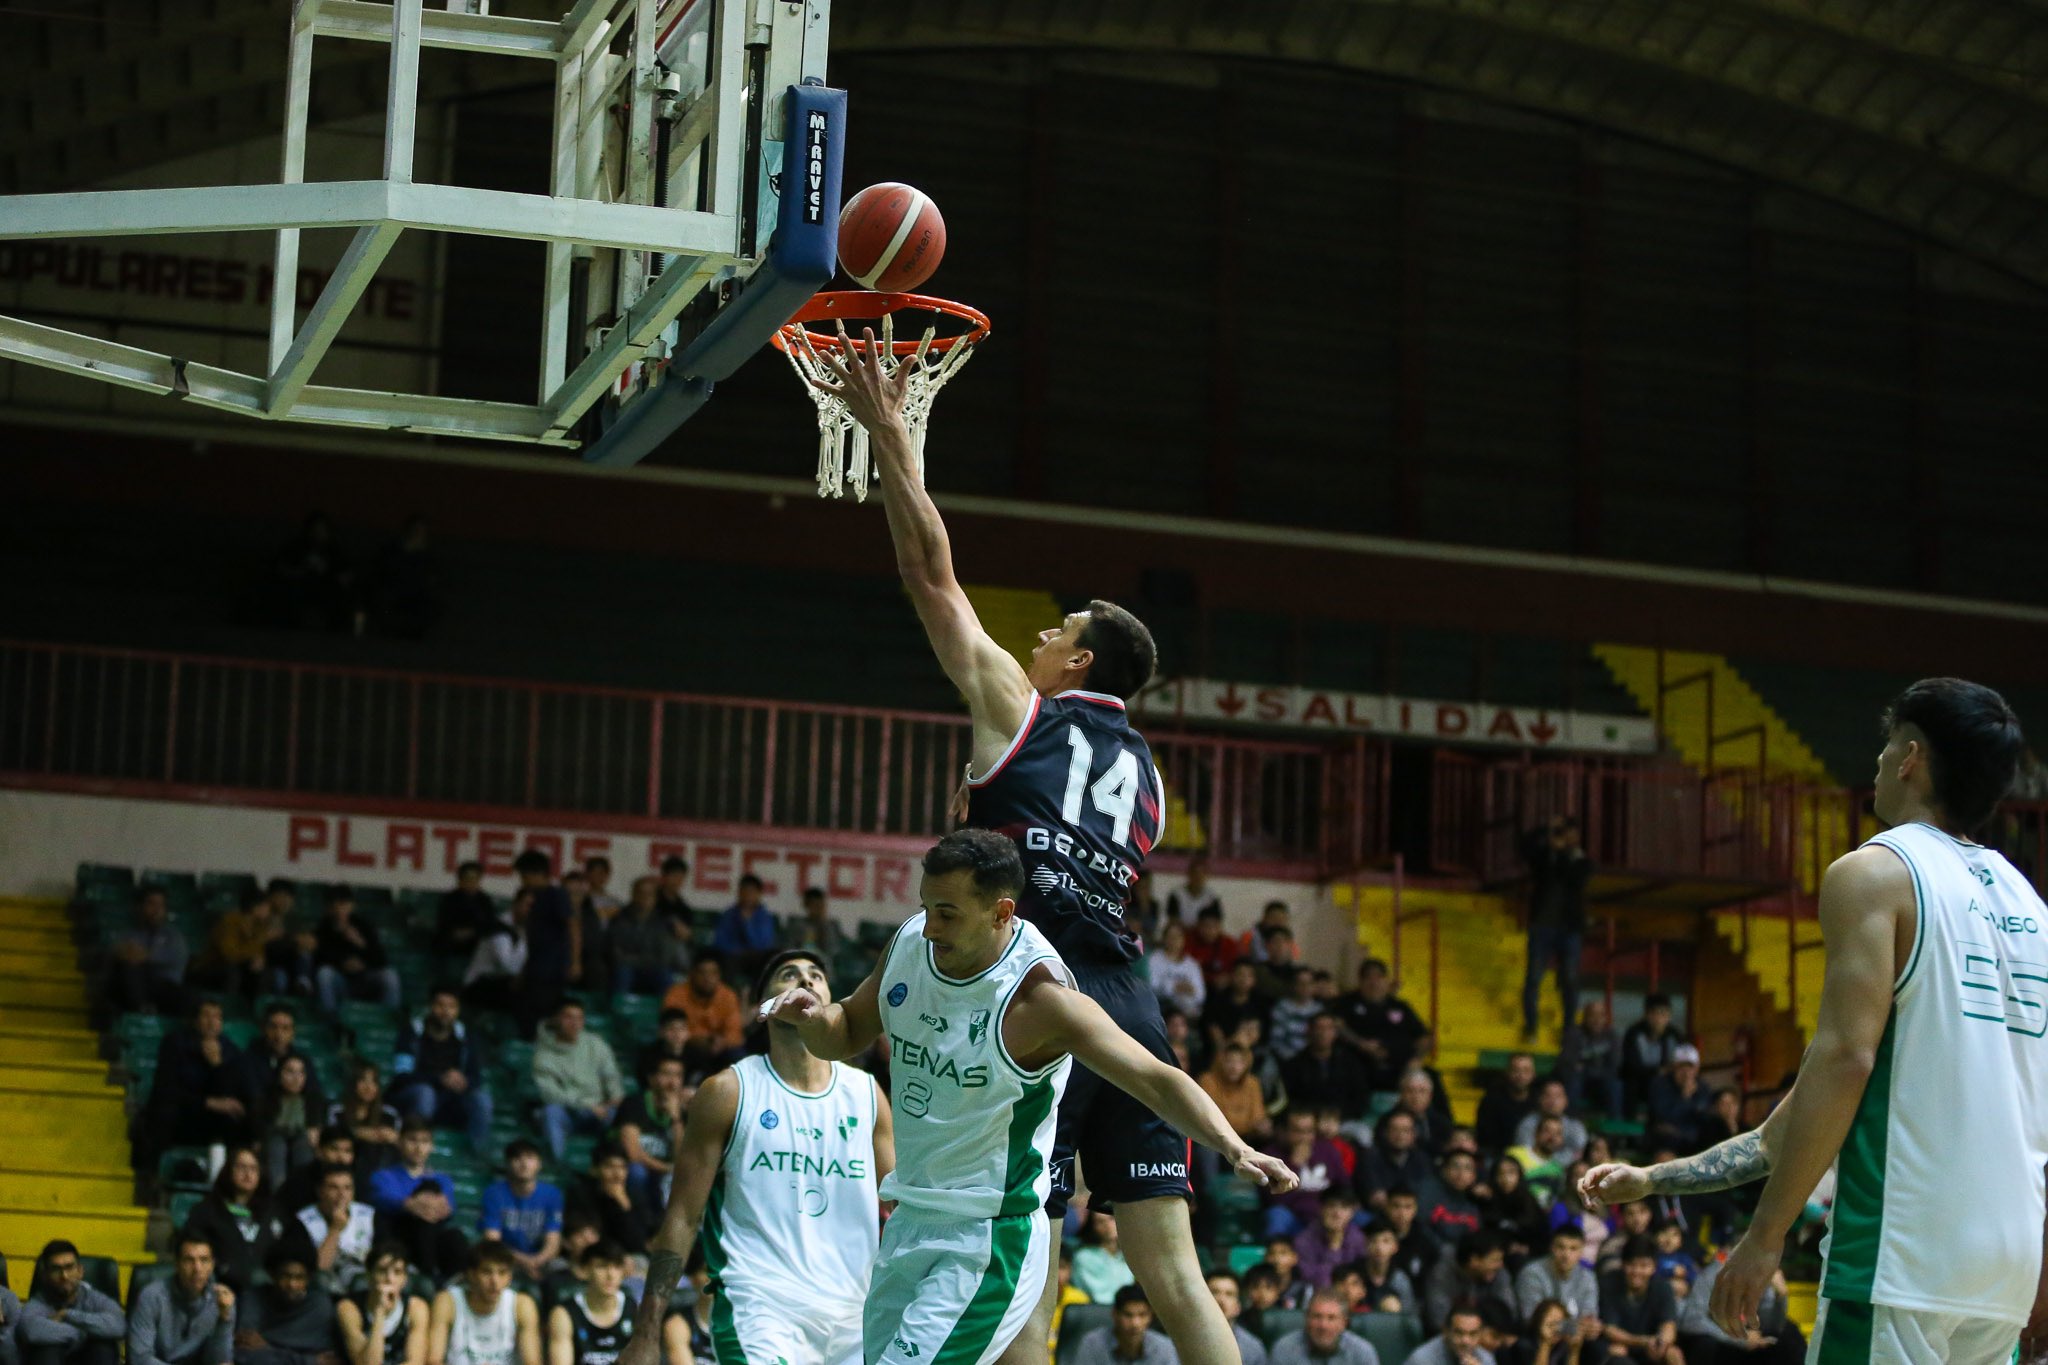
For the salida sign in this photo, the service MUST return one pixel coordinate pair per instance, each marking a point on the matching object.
(1301, 708)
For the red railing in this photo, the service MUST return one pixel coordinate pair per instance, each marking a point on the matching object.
(132, 719)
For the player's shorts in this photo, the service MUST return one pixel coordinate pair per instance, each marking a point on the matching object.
(1854, 1333)
(767, 1324)
(954, 1288)
(1127, 1152)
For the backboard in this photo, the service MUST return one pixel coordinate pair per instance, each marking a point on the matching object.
(692, 208)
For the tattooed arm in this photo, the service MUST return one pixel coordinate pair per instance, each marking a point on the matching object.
(1738, 1161)
(705, 1134)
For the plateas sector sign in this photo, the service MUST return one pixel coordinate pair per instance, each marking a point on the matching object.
(1450, 722)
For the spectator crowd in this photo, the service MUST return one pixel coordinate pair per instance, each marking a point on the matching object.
(332, 1232)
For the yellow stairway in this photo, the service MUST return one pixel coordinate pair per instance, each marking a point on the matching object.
(64, 1168)
(1479, 983)
(1688, 727)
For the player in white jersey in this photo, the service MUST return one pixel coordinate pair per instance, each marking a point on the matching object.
(1927, 1079)
(780, 1160)
(982, 1031)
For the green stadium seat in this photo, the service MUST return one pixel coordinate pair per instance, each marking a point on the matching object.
(1245, 1257)
(105, 874)
(181, 1205)
(1076, 1322)
(1392, 1336)
(184, 1168)
(874, 934)
(240, 1032)
(102, 1273)
(1278, 1322)
(182, 884)
(235, 883)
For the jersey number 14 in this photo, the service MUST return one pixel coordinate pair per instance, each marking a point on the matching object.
(1114, 794)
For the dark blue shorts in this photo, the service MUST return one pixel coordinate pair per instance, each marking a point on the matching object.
(1127, 1152)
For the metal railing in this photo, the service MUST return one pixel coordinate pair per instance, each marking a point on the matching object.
(141, 719)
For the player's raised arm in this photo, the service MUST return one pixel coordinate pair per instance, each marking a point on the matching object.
(1048, 1017)
(835, 1032)
(997, 690)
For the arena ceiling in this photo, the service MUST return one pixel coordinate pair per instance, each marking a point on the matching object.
(1930, 114)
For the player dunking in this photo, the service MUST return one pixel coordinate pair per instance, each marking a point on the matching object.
(1057, 767)
(1926, 1084)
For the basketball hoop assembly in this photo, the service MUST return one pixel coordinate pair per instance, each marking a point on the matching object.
(933, 359)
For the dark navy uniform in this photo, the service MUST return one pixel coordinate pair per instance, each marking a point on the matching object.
(594, 1345)
(1078, 793)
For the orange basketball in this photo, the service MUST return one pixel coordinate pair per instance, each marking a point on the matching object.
(891, 237)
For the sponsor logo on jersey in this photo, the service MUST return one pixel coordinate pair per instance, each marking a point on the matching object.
(898, 993)
(908, 1348)
(2006, 924)
(937, 1066)
(804, 1163)
(1039, 839)
(847, 1123)
(1177, 1169)
(938, 1022)
(977, 1028)
(1982, 874)
(814, 1134)
(769, 1118)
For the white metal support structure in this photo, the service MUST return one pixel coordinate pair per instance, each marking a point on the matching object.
(667, 254)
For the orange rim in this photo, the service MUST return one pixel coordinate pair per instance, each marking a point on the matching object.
(854, 304)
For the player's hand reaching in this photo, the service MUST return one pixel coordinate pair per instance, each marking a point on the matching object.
(1611, 1182)
(871, 393)
(1269, 1173)
(793, 1006)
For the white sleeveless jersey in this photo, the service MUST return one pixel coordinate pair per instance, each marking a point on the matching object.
(492, 1339)
(973, 1129)
(793, 1210)
(1938, 1197)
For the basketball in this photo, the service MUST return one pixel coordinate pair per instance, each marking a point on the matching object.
(891, 237)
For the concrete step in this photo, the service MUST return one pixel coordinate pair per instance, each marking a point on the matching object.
(15, 1014)
(60, 1078)
(58, 964)
(54, 938)
(82, 1119)
(47, 1044)
(17, 914)
(102, 1231)
(33, 990)
(65, 1189)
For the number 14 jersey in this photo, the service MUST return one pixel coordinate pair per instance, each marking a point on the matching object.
(1078, 792)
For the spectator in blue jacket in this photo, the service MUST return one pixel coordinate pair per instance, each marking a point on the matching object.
(188, 1319)
(437, 1070)
(415, 1205)
(523, 1211)
(66, 1321)
(747, 933)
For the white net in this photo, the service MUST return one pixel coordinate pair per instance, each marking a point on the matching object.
(843, 461)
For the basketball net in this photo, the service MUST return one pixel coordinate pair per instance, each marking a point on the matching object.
(844, 459)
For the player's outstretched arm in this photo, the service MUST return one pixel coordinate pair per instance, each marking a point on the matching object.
(845, 1028)
(705, 1134)
(1048, 1017)
(994, 683)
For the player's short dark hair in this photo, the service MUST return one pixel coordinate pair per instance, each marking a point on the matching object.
(335, 1168)
(448, 988)
(591, 864)
(277, 1007)
(1484, 1242)
(1350, 1268)
(674, 863)
(341, 892)
(1214, 912)
(290, 1251)
(414, 1123)
(1974, 741)
(1401, 1191)
(465, 868)
(279, 884)
(604, 1251)
(1373, 964)
(1130, 1294)
(485, 1252)
(1567, 1232)
(1125, 655)
(1378, 1226)
(1260, 1273)
(519, 1147)
(189, 1236)
(1656, 1000)
(1639, 1248)
(750, 879)
(334, 1133)
(669, 1016)
(1465, 1308)
(1224, 1272)
(1496, 1316)
(534, 861)
(990, 858)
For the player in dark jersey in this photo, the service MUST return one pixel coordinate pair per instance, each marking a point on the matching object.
(1057, 767)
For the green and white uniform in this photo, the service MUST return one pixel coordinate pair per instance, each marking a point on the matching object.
(791, 1225)
(964, 1256)
(1934, 1242)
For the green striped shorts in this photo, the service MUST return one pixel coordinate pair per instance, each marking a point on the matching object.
(953, 1290)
